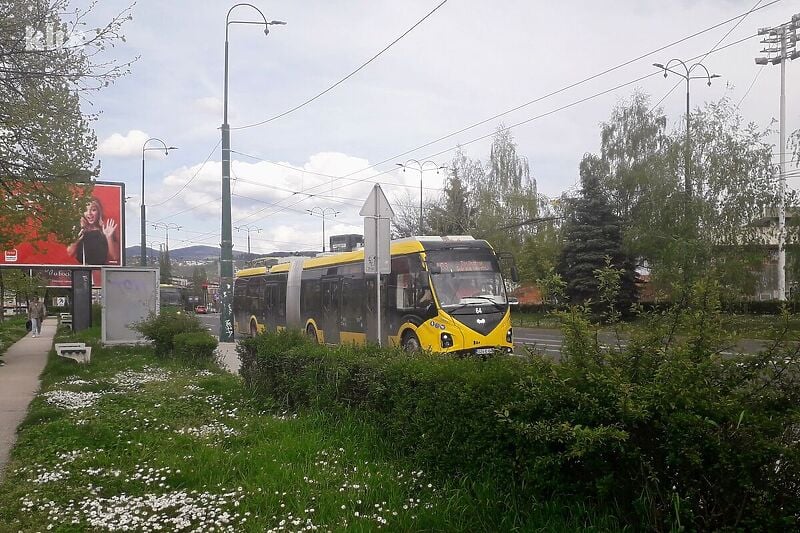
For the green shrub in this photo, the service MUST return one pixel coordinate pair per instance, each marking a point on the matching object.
(667, 429)
(195, 346)
(162, 329)
(664, 429)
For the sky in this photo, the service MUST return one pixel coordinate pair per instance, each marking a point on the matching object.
(466, 63)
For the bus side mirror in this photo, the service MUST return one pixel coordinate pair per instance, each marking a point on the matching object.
(514, 274)
(434, 269)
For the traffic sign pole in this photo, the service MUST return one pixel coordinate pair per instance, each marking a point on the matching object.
(377, 215)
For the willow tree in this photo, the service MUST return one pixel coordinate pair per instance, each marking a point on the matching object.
(48, 61)
(716, 230)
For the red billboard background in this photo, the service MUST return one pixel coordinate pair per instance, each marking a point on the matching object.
(99, 236)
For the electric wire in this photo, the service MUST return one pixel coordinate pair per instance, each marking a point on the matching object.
(553, 93)
(363, 65)
(192, 178)
(710, 51)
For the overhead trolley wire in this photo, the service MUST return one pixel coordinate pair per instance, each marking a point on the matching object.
(192, 178)
(552, 93)
(363, 65)
(541, 115)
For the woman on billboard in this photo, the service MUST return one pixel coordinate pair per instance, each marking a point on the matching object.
(96, 243)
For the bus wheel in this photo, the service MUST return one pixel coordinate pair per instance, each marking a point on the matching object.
(253, 329)
(311, 331)
(411, 342)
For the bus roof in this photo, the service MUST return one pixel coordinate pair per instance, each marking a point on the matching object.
(403, 246)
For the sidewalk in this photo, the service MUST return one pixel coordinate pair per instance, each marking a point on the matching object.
(228, 357)
(19, 383)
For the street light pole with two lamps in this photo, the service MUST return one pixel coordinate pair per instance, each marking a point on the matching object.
(143, 258)
(688, 77)
(248, 228)
(421, 168)
(226, 251)
(323, 212)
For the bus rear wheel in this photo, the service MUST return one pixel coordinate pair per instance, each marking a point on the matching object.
(253, 329)
(311, 331)
(411, 342)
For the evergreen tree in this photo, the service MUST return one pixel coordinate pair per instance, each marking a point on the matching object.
(593, 233)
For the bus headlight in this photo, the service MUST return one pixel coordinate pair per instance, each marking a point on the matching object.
(510, 335)
(447, 340)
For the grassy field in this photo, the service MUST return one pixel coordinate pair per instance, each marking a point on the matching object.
(743, 326)
(131, 442)
(11, 330)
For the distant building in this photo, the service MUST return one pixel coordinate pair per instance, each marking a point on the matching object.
(346, 243)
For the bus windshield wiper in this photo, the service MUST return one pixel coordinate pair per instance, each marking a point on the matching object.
(487, 298)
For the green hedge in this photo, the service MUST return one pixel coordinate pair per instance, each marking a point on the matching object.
(666, 431)
(439, 409)
(195, 346)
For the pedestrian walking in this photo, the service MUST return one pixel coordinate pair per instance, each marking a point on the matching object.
(36, 314)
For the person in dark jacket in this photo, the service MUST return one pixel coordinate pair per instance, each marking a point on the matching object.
(36, 314)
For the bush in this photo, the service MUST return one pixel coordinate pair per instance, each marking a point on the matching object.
(162, 329)
(195, 346)
(665, 429)
(439, 409)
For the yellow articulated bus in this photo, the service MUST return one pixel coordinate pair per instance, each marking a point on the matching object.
(444, 294)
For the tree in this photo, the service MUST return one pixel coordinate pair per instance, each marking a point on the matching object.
(455, 214)
(716, 232)
(505, 195)
(165, 266)
(593, 242)
(199, 278)
(47, 64)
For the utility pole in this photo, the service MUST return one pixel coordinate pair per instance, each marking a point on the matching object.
(421, 168)
(780, 47)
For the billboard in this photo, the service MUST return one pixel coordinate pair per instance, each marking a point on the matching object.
(130, 295)
(98, 237)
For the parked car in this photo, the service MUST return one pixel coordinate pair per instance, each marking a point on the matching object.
(201, 309)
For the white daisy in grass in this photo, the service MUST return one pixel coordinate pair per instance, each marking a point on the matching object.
(71, 400)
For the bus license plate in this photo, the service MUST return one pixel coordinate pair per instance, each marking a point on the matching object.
(484, 351)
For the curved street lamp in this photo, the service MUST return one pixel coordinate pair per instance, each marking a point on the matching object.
(167, 226)
(687, 75)
(226, 251)
(248, 228)
(421, 168)
(323, 212)
(143, 258)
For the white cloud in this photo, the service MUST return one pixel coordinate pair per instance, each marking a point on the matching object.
(209, 104)
(128, 145)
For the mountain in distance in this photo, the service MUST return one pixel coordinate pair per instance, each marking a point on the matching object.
(199, 253)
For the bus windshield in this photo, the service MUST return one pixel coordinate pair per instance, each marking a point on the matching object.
(466, 277)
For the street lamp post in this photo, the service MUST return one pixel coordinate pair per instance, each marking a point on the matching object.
(167, 226)
(780, 47)
(226, 251)
(323, 212)
(688, 77)
(421, 168)
(248, 228)
(143, 258)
